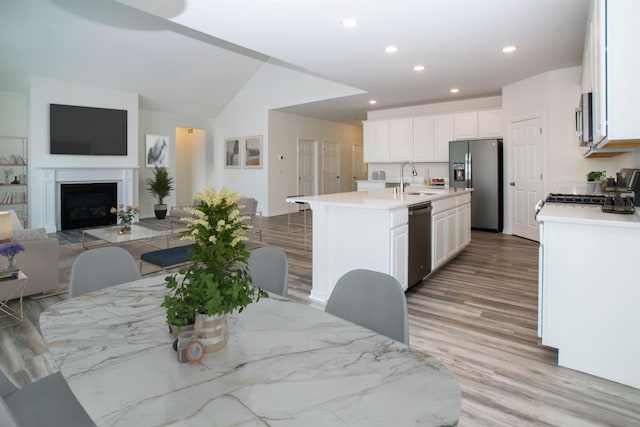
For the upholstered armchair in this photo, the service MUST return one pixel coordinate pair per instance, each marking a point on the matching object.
(39, 260)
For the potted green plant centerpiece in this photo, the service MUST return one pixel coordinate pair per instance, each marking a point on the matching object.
(217, 282)
(160, 186)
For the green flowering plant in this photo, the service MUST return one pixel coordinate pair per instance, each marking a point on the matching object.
(218, 281)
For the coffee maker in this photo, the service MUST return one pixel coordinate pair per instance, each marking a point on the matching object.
(632, 179)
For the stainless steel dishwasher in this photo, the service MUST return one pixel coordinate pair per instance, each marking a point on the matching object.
(419, 243)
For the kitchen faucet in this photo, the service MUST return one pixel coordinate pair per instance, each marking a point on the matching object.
(413, 171)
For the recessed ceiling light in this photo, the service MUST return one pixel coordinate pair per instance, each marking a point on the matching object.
(419, 68)
(349, 23)
(509, 49)
(373, 101)
(390, 49)
(454, 90)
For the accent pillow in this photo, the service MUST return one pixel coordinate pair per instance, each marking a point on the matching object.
(30, 234)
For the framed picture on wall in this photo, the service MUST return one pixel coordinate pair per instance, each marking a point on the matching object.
(232, 153)
(253, 152)
(157, 151)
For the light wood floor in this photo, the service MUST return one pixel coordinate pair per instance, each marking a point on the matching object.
(477, 315)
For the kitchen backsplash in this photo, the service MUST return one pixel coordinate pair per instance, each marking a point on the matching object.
(392, 171)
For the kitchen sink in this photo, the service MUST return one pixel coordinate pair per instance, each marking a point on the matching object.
(420, 194)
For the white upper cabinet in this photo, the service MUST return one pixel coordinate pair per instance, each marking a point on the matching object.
(490, 124)
(612, 59)
(465, 125)
(442, 134)
(370, 151)
(401, 140)
(431, 136)
(423, 139)
(426, 139)
(375, 135)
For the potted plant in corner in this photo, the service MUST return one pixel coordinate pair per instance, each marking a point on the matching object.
(592, 177)
(160, 186)
(217, 282)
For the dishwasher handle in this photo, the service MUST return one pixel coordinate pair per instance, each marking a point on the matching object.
(420, 211)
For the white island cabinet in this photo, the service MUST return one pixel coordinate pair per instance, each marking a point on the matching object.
(589, 291)
(365, 229)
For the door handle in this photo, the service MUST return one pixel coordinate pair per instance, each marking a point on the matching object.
(513, 184)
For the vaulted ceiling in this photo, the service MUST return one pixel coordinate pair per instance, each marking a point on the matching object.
(194, 56)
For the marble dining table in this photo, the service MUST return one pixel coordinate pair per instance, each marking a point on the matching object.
(285, 364)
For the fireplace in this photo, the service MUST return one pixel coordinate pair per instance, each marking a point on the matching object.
(87, 204)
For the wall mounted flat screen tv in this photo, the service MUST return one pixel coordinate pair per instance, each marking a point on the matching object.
(87, 130)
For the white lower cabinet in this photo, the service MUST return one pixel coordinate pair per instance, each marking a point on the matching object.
(464, 225)
(451, 229)
(439, 249)
(452, 232)
(399, 254)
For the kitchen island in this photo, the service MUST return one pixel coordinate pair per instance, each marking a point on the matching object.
(369, 229)
(588, 291)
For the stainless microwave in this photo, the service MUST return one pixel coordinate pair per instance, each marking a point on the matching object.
(584, 119)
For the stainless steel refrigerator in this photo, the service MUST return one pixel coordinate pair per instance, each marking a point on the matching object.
(477, 164)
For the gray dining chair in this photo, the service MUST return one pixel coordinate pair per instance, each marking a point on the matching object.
(269, 269)
(373, 300)
(100, 268)
(47, 401)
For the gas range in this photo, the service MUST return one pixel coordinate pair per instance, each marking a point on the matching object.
(583, 199)
(610, 204)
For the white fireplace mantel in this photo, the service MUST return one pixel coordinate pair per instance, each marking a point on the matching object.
(53, 177)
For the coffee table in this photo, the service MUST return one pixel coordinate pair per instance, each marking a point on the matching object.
(111, 235)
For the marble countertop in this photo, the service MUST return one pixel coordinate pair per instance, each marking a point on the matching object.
(285, 364)
(383, 199)
(587, 214)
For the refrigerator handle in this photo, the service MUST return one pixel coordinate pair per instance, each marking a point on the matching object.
(469, 174)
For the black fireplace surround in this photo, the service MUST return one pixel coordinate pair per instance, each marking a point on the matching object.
(87, 205)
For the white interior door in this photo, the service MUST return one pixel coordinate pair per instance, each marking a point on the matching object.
(330, 167)
(358, 166)
(526, 185)
(306, 167)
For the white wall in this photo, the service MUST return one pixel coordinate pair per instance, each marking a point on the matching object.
(13, 114)
(436, 108)
(46, 91)
(161, 123)
(284, 131)
(554, 95)
(271, 87)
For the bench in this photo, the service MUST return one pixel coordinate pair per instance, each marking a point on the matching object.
(167, 257)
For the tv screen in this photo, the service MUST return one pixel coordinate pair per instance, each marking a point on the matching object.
(87, 130)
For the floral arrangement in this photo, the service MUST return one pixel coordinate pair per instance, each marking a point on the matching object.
(126, 214)
(218, 281)
(8, 172)
(10, 250)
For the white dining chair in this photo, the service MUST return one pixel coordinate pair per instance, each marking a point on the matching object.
(269, 269)
(100, 268)
(46, 402)
(374, 300)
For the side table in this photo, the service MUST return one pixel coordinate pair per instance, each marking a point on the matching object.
(10, 290)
